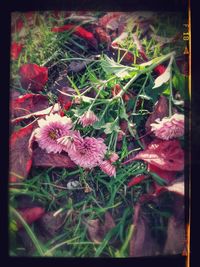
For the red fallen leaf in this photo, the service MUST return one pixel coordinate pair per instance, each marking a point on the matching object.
(14, 94)
(30, 215)
(43, 159)
(127, 57)
(123, 126)
(28, 103)
(176, 234)
(103, 21)
(117, 89)
(17, 27)
(51, 224)
(177, 187)
(102, 36)
(98, 230)
(142, 243)
(16, 49)
(67, 106)
(136, 180)
(79, 31)
(62, 113)
(33, 77)
(175, 231)
(183, 64)
(167, 175)
(20, 157)
(40, 113)
(30, 17)
(166, 155)
(160, 69)
(160, 111)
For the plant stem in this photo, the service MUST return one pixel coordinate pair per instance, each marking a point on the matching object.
(136, 99)
(170, 86)
(97, 95)
(149, 69)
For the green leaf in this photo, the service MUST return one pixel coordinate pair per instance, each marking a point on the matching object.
(112, 67)
(166, 91)
(122, 114)
(99, 124)
(111, 127)
(163, 78)
(180, 82)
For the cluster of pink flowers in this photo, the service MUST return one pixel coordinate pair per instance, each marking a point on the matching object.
(169, 128)
(54, 134)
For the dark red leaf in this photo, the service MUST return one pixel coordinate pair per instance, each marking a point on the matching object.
(67, 105)
(102, 36)
(142, 243)
(166, 155)
(160, 69)
(136, 180)
(40, 113)
(27, 104)
(16, 49)
(175, 232)
(14, 94)
(30, 17)
(79, 31)
(51, 224)
(20, 156)
(33, 77)
(103, 21)
(183, 64)
(30, 215)
(116, 90)
(18, 25)
(161, 110)
(43, 159)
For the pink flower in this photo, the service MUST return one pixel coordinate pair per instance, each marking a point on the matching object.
(169, 128)
(113, 157)
(87, 152)
(108, 168)
(88, 118)
(68, 140)
(50, 129)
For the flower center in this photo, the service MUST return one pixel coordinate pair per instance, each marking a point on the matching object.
(55, 134)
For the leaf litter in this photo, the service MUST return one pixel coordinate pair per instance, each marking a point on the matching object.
(102, 63)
